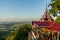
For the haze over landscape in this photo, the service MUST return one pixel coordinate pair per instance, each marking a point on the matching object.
(21, 10)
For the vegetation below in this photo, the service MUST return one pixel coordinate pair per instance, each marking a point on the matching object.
(57, 19)
(21, 33)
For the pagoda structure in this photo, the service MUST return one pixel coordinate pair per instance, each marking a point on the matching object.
(45, 21)
(45, 28)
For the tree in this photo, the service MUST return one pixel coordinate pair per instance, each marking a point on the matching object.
(3, 35)
(57, 19)
(11, 36)
(55, 7)
(22, 33)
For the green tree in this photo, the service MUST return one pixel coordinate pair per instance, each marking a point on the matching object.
(57, 19)
(55, 7)
(3, 35)
(11, 36)
(22, 33)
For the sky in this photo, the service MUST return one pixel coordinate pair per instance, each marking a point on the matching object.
(18, 10)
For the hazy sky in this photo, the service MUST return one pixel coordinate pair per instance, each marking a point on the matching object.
(22, 9)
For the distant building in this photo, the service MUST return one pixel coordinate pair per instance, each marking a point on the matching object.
(45, 28)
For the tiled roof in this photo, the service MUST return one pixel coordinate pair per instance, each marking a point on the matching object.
(55, 27)
(51, 25)
(42, 23)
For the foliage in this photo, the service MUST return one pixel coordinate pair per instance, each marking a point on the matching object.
(11, 36)
(21, 33)
(55, 7)
(57, 19)
(3, 35)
